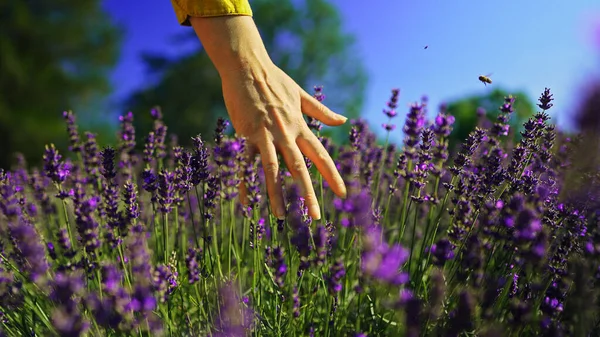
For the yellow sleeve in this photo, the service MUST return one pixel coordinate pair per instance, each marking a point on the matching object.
(203, 8)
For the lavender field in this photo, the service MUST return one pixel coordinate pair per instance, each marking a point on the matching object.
(150, 239)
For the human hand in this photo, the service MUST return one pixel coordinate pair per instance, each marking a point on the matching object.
(265, 106)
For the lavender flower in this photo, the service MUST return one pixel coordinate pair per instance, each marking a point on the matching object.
(222, 124)
(160, 133)
(127, 145)
(392, 104)
(150, 182)
(142, 298)
(149, 148)
(166, 191)
(108, 163)
(250, 179)
(74, 141)
(545, 100)
(9, 203)
(391, 110)
(91, 158)
(87, 226)
(191, 261)
(278, 263)
(415, 121)
(334, 278)
(357, 206)
(229, 155)
(235, 319)
(31, 250)
(66, 317)
(211, 196)
(296, 300)
(53, 167)
(183, 173)
(132, 209)
(462, 317)
(127, 132)
(382, 262)
(320, 240)
(199, 161)
(299, 223)
(165, 281)
(313, 123)
(442, 251)
(111, 312)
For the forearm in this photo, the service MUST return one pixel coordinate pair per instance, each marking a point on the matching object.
(233, 43)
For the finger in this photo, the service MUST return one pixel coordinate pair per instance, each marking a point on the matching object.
(315, 109)
(310, 145)
(250, 155)
(270, 165)
(297, 167)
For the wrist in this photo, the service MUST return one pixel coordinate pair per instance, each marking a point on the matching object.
(233, 43)
(246, 61)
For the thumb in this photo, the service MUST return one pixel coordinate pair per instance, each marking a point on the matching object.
(315, 109)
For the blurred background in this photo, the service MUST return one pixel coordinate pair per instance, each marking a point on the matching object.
(101, 59)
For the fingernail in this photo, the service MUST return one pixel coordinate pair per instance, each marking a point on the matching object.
(280, 213)
(344, 119)
(314, 209)
(343, 190)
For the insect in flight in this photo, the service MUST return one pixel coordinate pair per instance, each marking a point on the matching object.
(426, 47)
(485, 79)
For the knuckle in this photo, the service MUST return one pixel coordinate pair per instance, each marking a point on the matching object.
(322, 156)
(310, 198)
(271, 168)
(297, 166)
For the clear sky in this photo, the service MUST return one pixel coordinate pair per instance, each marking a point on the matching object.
(527, 45)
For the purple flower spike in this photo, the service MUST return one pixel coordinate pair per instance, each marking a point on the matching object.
(108, 163)
(66, 317)
(191, 262)
(382, 262)
(388, 127)
(166, 191)
(279, 266)
(53, 167)
(334, 279)
(199, 161)
(74, 141)
(442, 251)
(235, 318)
(127, 132)
(31, 250)
(222, 124)
(415, 121)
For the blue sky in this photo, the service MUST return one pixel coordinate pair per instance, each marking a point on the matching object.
(527, 45)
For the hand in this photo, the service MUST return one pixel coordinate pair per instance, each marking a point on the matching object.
(265, 106)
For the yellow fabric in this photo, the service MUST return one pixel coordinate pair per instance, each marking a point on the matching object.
(204, 8)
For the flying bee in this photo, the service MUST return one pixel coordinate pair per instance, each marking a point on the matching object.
(485, 79)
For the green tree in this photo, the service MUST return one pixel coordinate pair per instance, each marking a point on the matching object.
(467, 118)
(54, 56)
(304, 38)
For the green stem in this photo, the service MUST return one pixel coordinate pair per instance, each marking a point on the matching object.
(405, 202)
(382, 169)
(165, 238)
(68, 223)
(194, 226)
(413, 239)
(216, 249)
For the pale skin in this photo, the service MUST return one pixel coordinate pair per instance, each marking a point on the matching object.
(266, 106)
